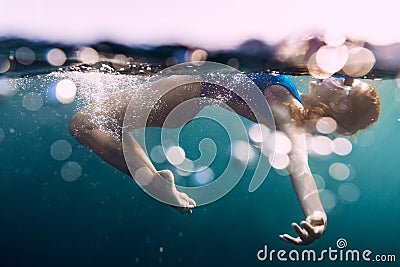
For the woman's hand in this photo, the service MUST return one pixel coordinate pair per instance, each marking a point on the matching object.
(312, 229)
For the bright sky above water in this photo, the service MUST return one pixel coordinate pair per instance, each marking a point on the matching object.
(208, 23)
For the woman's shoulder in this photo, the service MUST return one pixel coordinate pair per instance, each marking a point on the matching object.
(281, 102)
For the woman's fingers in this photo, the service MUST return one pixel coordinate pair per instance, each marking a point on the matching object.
(312, 231)
(290, 239)
(301, 232)
(305, 236)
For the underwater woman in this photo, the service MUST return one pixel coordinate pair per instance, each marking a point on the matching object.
(353, 104)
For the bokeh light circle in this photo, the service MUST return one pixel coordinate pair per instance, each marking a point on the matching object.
(342, 146)
(360, 62)
(339, 171)
(56, 57)
(348, 192)
(328, 199)
(315, 70)
(332, 58)
(60, 150)
(71, 171)
(326, 125)
(66, 91)
(32, 101)
(25, 55)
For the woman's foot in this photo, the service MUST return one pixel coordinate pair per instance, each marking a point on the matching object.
(162, 187)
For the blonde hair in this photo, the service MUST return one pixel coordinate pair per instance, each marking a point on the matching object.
(363, 111)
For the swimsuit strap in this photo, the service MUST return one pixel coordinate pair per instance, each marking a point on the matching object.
(263, 80)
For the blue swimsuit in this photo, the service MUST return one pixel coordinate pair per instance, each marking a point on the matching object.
(263, 80)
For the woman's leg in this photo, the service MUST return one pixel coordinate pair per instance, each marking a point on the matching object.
(99, 127)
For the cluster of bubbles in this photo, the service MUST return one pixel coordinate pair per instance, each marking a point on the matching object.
(328, 55)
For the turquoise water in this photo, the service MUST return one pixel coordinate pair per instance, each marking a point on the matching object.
(65, 207)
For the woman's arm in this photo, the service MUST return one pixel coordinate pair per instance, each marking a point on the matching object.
(302, 180)
(306, 190)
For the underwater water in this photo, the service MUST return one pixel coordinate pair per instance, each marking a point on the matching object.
(63, 206)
